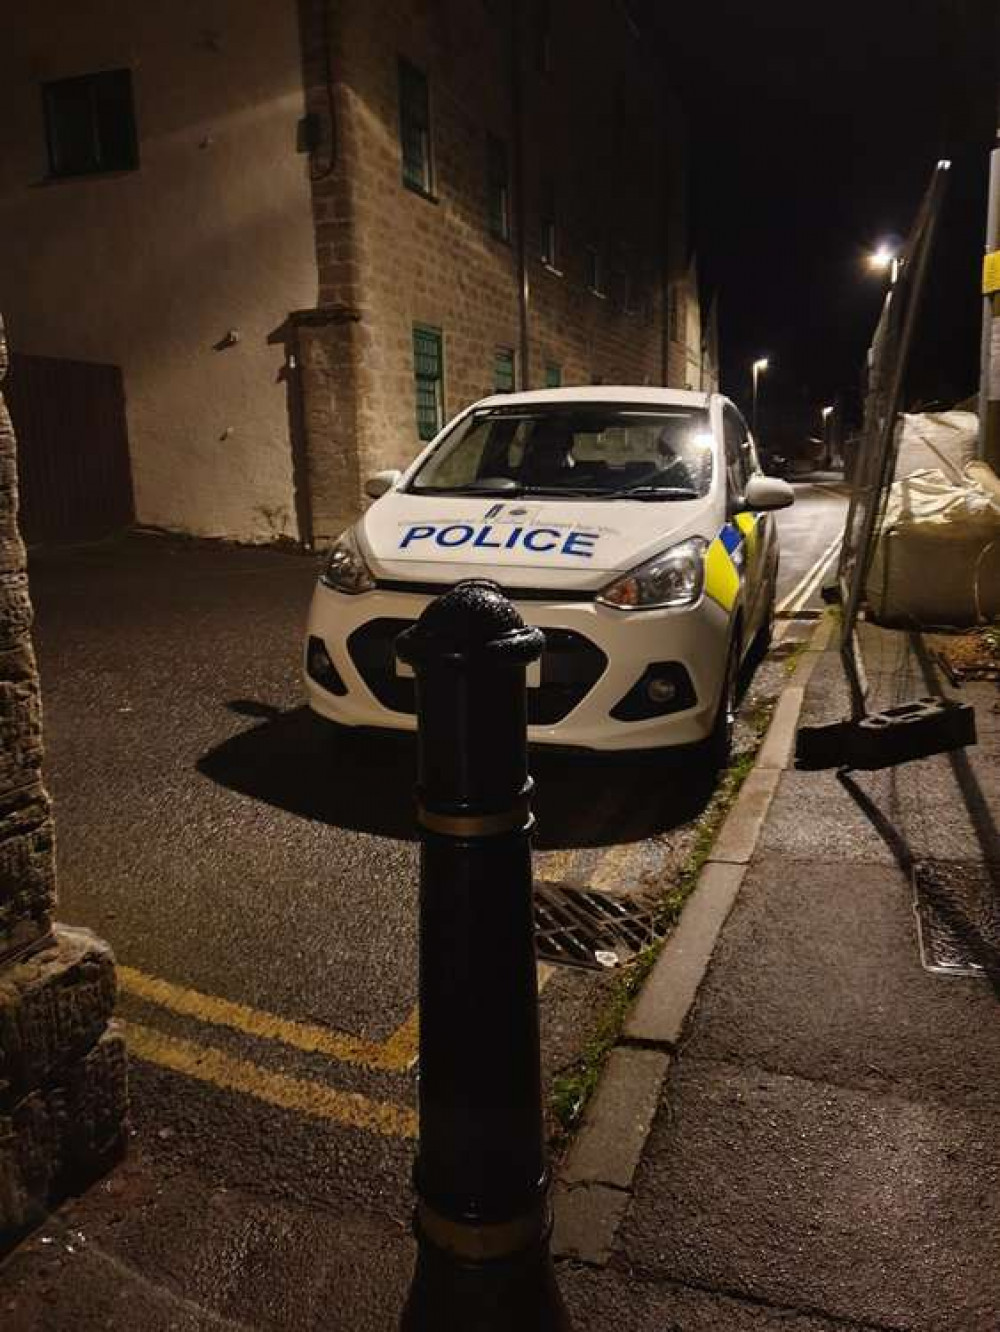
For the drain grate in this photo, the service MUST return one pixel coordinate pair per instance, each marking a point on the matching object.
(576, 927)
(957, 906)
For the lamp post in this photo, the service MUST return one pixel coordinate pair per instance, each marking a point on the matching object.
(759, 367)
(826, 413)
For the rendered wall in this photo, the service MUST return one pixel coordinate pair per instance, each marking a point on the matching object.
(150, 269)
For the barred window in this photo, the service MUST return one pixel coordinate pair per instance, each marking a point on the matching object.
(503, 370)
(553, 375)
(499, 188)
(428, 374)
(90, 124)
(415, 128)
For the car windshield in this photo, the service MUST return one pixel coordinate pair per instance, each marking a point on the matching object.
(597, 450)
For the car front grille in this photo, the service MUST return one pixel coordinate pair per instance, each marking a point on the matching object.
(571, 666)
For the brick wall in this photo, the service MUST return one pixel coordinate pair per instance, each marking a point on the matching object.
(598, 137)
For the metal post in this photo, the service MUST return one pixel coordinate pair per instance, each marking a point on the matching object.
(483, 1215)
(989, 370)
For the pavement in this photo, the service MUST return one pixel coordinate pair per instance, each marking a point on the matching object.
(257, 880)
(824, 1149)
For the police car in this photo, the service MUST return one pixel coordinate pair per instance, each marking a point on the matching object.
(632, 525)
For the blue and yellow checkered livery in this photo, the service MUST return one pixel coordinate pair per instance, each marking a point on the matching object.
(726, 557)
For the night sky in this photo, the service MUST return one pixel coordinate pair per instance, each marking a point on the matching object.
(814, 129)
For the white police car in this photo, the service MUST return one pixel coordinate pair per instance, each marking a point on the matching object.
(630, 524)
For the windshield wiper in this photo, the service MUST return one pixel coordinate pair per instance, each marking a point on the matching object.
(647, 490)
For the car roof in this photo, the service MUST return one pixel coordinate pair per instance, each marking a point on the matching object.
(640, 394)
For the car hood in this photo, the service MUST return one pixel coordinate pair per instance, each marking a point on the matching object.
(532, 542)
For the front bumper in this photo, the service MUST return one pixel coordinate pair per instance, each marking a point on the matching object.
(595, 658)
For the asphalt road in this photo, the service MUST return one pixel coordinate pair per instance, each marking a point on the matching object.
(257, 877)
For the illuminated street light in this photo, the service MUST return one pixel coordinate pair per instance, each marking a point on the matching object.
(885, 258)
(759, 366)
(826, 412)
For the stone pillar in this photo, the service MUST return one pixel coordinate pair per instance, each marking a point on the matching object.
(62, 1058)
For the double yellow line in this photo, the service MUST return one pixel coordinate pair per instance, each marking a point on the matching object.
(209, 1064)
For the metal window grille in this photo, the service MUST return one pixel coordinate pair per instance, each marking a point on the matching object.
(503, 370)
(90, 124)
(415, 127)
(499, 188)
(428, 373)
(553, 376)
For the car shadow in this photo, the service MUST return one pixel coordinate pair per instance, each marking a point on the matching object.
(363, 780)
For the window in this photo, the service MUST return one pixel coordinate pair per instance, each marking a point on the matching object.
(90, 124)
(415, 128)
(499, 188)
(503, 370)
(593, 448)
(595, 271)
(549, 239)
(553, 375)
(428, 373)
(738, 453)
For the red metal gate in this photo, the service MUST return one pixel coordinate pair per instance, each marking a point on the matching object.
(72, 444)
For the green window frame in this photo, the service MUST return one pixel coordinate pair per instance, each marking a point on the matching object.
(553, 375)
(428, 377)
(504, 370)
(415, 128)
(498, 187)
(90, 124)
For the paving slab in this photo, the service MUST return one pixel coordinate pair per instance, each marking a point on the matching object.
(866, 1207)
(184, 1257)
(598, 1301)
(818, 974)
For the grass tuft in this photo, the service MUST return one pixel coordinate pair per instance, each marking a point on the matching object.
(573, 1087)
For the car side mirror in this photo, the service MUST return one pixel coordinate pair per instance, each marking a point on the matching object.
(382, 482)
(764, 493)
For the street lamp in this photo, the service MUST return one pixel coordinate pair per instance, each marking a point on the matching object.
(826, 413)
(885, 258)
(759, 366)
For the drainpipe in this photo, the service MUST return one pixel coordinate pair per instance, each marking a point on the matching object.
(520, 209)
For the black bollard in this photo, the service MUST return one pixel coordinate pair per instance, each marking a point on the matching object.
(483, 1217)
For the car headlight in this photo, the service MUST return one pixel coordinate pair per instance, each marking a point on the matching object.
(674, 578)
(345, 568)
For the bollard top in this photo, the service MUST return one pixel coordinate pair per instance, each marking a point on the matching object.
(474, 621)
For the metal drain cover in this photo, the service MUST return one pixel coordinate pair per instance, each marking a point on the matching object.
(957, 905)
(576, 927)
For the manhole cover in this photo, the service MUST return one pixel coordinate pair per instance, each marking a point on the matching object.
(575, 927)
(957, 905)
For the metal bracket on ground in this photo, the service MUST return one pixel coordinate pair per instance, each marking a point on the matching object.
(883, 739)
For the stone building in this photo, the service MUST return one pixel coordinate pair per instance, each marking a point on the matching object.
(308, 233)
